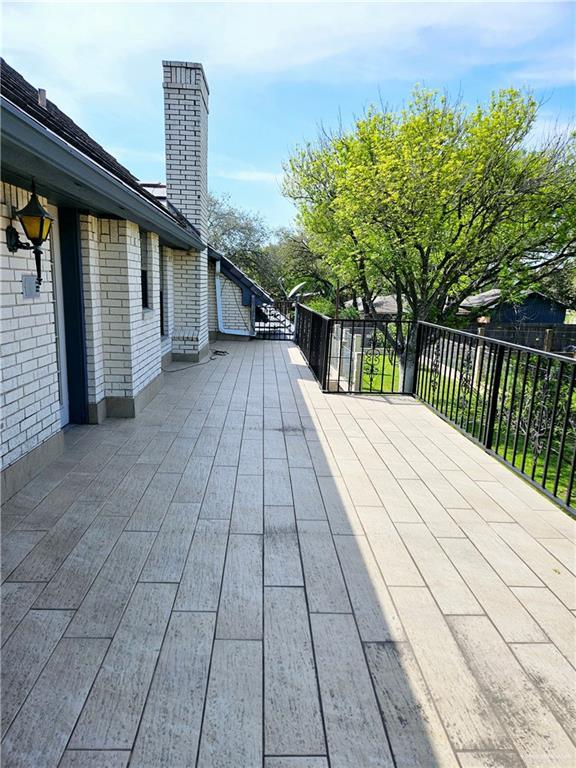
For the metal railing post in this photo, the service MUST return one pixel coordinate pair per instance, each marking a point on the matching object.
(494, 390)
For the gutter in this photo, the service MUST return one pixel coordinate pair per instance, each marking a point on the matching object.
(221, 327)
(74, 176)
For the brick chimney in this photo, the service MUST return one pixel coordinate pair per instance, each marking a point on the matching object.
(186, 126)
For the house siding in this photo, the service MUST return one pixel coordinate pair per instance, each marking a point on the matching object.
(30, 398)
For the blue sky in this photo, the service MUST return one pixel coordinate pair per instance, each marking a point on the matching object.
(279, 70)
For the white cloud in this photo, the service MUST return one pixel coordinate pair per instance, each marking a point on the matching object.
(258, 177)
(88, 49)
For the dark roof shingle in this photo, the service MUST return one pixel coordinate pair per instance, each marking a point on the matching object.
(24, 96)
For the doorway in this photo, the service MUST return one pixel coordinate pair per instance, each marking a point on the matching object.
(70, 323)
(59, 319)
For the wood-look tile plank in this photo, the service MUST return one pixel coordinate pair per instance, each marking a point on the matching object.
(295, 762)
(293, 722)
(251, 457)
(487, 508)
(108, 478)
(511, 568)
(207, 443)
(240, 611)
(277, 488)
(194, 480)
(509, 616)
(102, 608)
(42, 728)
(537, 735)
(339, 506)
(177, 456)
(168, 555)
(53, 506)
(502, 759)
(466, 714)
(274, 444)
(71, 582)
(113, 709)
(228, 453)
(397, 503)
(554, 679)
(55, 546)
(325, 586)
(416, 733)
(308, 504)
(219, 496)
(17, 599)
(15, 546)
(153, 505)
(394, 560)
(358, 483)
(563, 550)
(85, 758)
(297, 450)
(170, 728)
(555, 619)
(156, 450)
(282, 565)
(125, 498)
(429, 508)
(200, 582)
(235, 697)
(354, 728)
(24, 656)
(247, 509)
(550, 570)
(517, 509)
(375, 613)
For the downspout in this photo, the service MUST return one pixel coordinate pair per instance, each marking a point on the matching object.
(221, 327)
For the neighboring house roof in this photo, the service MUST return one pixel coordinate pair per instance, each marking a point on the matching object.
(384, 305)
(234, 273)
(493, 297)
(26, 113)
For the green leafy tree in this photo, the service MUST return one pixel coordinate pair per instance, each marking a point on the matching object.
(435, 203)
(244, 238)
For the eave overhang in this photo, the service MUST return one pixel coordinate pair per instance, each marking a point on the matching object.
(248, 286)
(68, 178)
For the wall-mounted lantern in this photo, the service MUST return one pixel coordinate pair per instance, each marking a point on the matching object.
(36, 223)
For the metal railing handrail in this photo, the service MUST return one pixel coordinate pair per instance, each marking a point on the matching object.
(313, 311)
(499, 342)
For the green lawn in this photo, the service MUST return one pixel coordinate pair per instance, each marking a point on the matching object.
(380, 374)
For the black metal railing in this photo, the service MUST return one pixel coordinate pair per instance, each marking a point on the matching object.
(519, 403)
(312, 334)
(560, 339)
(275, 322)
(376, 356)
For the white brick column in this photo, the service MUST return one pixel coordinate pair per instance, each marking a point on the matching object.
(90, 232)
(186, 120)
(130, 333)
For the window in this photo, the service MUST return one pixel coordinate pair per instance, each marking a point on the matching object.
(144, 269)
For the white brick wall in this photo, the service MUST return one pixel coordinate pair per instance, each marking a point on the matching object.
(130, 334)
(234, 314)
(212, 313)
(29, 396)
(91, 232)
(168, 298)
